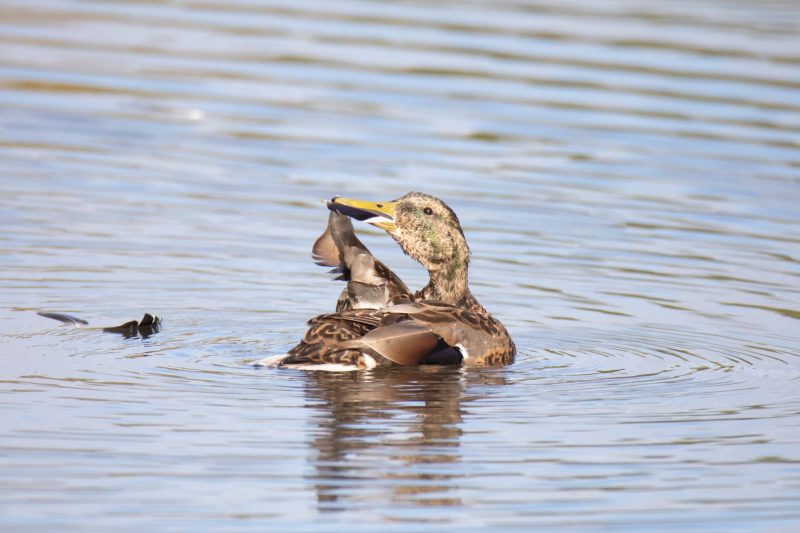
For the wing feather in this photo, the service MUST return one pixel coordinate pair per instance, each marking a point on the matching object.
(404, 343)
(324, 251)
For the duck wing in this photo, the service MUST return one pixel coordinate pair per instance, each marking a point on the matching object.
(406, 334)
(370, 283)
(357, 338)
(327, 344)
(432, 331)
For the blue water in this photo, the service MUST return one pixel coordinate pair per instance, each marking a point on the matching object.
(627, 177)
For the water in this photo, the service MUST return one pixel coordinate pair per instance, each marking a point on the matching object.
(627, 177)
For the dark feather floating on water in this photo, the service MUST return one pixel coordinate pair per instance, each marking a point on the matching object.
(148, 325)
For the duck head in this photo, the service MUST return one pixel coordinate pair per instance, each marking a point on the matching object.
(428, 231)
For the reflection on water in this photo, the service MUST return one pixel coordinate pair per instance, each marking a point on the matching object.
(627, 177)
(352, 444)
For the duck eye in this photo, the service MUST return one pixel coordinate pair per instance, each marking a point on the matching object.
(428, 211)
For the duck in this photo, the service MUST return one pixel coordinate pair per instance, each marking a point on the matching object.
(442, 323)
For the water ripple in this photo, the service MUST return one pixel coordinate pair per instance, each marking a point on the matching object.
(626, 174)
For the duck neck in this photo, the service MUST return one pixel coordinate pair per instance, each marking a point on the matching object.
(448, 281)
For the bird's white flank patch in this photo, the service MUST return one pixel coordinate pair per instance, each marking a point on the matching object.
(464, 353)
(275, 361)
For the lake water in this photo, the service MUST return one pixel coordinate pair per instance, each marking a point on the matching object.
(627, 174)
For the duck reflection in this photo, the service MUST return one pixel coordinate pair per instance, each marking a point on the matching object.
(391, 437)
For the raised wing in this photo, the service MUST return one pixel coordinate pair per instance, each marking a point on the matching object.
(371, 285)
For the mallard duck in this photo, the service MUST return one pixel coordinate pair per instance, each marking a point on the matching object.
(443, 324)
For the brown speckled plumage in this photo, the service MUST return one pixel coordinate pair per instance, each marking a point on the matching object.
(391, 326)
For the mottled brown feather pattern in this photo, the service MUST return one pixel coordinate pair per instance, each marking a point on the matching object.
(324, 342)
(440, 318)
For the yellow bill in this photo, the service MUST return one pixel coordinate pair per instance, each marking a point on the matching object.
(379, 214)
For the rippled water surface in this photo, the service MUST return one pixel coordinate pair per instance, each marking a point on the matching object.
(627, 176)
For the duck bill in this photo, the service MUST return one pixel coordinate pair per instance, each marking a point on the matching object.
(380, 214)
